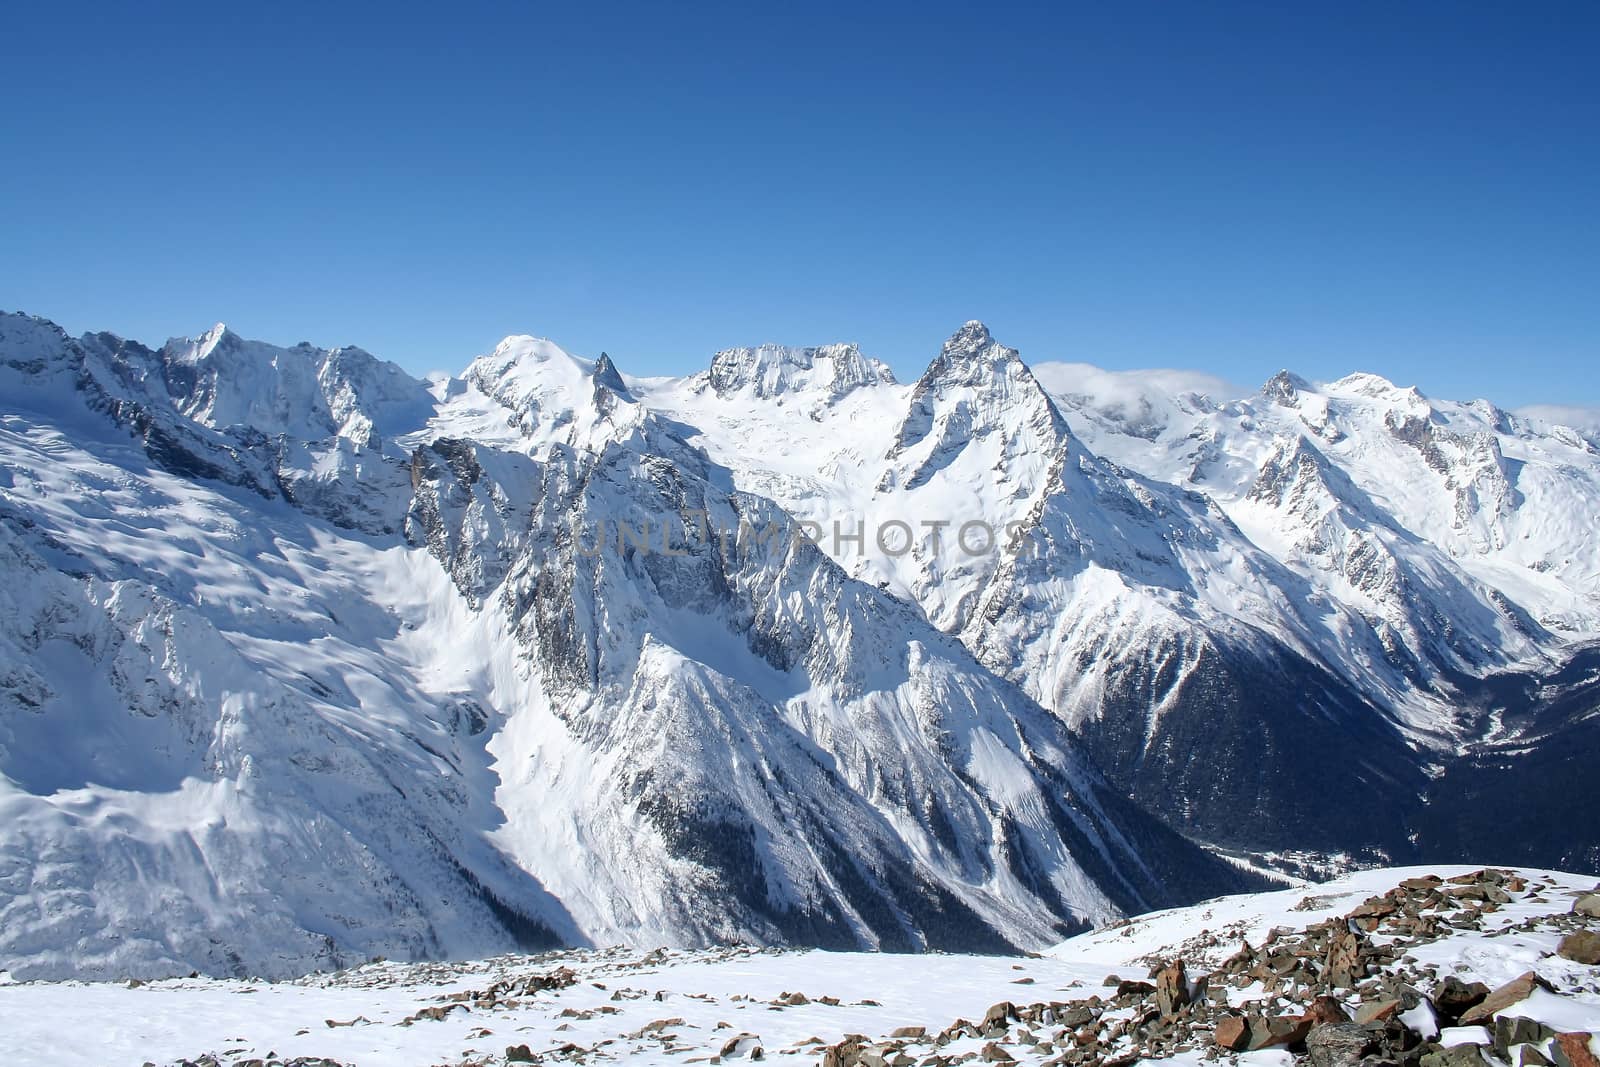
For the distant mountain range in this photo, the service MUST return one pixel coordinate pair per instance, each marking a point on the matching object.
(303, 660)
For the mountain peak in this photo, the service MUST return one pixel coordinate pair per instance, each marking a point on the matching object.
(1284, 387)
(972, 337)
(775, 370)
(606, 374)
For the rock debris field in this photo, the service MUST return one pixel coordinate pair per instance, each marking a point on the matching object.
(1435, 967)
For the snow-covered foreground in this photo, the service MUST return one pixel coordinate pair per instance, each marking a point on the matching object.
(685, 1007)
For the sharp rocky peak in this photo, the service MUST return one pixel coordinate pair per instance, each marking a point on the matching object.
(1284, 387)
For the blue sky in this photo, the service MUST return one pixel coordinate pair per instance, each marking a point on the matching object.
(1412, 189)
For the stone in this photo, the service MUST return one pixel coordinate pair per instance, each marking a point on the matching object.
(1338, 1045)
(1512, 1030)
(1582, 946)
(1528, 1056)
(1344, 966)
(520, 1054)
(1278, 1032)
(1132, 988)
(1232, 1033)
(747, 1046)
(1515, 991)
(1574, 1050)
(1587, 905)
(1072, 1018)
(1459, 1056)
(1453, 998)
(1172, 988)
(1377, 1011)
(993, 1053)
(1326, 1011)
(999, 1014)
(910, 1032)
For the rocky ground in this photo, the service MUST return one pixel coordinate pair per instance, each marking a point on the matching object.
(1345, 991)
(1439, 968)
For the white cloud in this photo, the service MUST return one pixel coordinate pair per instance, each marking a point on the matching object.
(1579, 418)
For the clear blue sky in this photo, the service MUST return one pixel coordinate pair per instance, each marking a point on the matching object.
(1407, 188)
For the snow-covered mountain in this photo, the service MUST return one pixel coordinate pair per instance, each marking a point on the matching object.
(303, 660)
(531, 670)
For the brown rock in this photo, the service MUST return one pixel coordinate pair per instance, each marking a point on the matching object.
(1131, 988)
(993, 1053)
(1572, 1050)
(1582, 946)
(1343, 965)
(1279, 1032)
(1587, 905)
(1232, 1033)
(910, 1031)
(1172, 988)
(1377, 1010)
(520, 1054)
(1513, 992)
(1000, 1014)
(1326, 1010)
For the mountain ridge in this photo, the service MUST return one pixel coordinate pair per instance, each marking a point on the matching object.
(634, 655)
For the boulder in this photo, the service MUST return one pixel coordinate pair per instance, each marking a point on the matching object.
(999, 1015)
(1574, 1050)
(1453, 998)
(1582, 946)
(1513, 1030)
(1378, 1010)
(1588, 904)
(1172, 988)
(1232, 1033)
(1326, 1010)
(1279, 1032)
(1344, 966)
(1459, 1056)
(1338, 1045)
(1515, 991)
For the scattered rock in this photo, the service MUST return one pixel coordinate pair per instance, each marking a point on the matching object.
(1587, 905)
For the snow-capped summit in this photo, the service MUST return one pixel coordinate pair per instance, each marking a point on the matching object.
(826, 372)
(1284, 387)
(221, 380)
